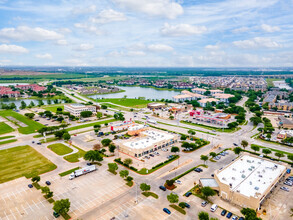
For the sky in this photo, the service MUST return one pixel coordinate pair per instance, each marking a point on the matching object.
(147, 33)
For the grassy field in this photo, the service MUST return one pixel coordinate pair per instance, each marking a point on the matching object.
(117, 107)
(4, 128)
(7, 141)
(6, 137)
(73, 158)
(90, 125)
(60, 149)
(132, 103)
(32, 125)
(270, 81)
(53, 108)
(22, 161)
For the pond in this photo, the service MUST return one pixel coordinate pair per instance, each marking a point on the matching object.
(12, 84)
(135, 92)
(27, 101)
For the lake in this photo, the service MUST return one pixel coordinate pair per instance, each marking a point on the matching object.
(27, 101)
(12, 84)
(135, 92)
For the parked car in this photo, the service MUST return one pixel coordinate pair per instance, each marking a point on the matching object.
(288, 171)
(234, 217)
(188, 194)
(151, 155)
(212, 175)
(241, 218)
(170, 156)
(167, 211)
(223, 154)
(56, 215)
(235, 144)
(288, 183)
(178, 181)
(48, 183)
(30, 186)
(187, 205)
(223, 213)
(214, 207)
(198, 170)
(39, 143)
(204, 203)
(33, 142)
(229, 215)
(89, 164)
(284, 188)
(162, 188)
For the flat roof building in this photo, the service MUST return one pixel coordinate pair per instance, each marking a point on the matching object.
(146, 142)
(248, 180)
(75, 109)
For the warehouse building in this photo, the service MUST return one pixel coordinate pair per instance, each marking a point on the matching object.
(248, 180)
(146, 141)
(75, 109)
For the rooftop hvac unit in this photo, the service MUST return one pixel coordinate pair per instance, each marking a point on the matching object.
(260, 176)
(252, 167)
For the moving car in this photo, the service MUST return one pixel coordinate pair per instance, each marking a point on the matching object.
(167, 211)
(188, 194)
(229, 215)
(48, 183)
(223, 213)
(162, 188)
(214, 207)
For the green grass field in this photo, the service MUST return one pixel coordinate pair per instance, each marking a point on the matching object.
(4, 128)
(53, 108)
(60, 149)
(89, 125)
(22, 161)
(6, 137)
(32, 125)
(132, 103)
(73, 158)
(7, 141)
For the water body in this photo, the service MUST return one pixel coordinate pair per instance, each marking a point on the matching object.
(27, 101)
(12, 84)
(135, 92)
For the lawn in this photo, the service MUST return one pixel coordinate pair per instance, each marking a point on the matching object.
(53, 108)
(4, 128)
(132, 103)
(7, 141)
(32, 125)
(73, 158)
(22, 161)
(90, 124)
(60, 149)
(6, 137)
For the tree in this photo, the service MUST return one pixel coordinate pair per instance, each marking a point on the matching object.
(106, 142)
(124, 173)
(279, 155)
(244, 144)
(59, 109)
(99, 115)
(30, 115)
(255, 148)
(183, 137)
(175, 149)
(104, 107)
(22, 105)
(36, 179)
(112, 148)
(119, 116)
(171, 117)
(173, 198)
(86, 114)
(191, 132)
(266, 151)
(47, 191)
(129, 178)
(112, 167)
(127, 161)
(255, 120)
(249, 214)
(40, 102)
(66, 136)
(213, 154)
(145, 187)
(207, 191)
(93, 155)
(97, 147)
(170, 182)
(203, 216)
(61, 206)
(204, 158)
(237, 150)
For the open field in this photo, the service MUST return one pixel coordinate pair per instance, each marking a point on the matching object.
(53, 108)
(60, 149)
(132, 103)
(4, 128)
(22, 161)
(90, 124)
(270, 81)
(32, 125)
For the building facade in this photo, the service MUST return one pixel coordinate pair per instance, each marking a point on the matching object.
(76, 109)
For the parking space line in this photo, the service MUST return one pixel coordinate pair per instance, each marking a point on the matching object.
(23, 208)
(18, 210)
(6, 215)
(12, 214)
(36, 204)
(41, 202)
(30, 206)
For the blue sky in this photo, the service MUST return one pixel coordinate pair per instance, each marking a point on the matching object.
(147, 33)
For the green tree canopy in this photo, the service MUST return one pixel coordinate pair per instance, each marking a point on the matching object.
(255, 147)
(203, 216)
(266, 151)
(93, 155)
(237, 150)
(145, 187)
(61, 206)
(124, 173)
(175, 149)
(173, 198)
(106, 142)
(207, 191)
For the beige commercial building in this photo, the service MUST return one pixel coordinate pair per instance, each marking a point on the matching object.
(76, 109)
(248, 180)
(147, 141)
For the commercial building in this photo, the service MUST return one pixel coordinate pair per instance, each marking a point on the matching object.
(285, 122)
(249, 180)
(76, 109)
(120, 126)
(155, 105)
(146, 141)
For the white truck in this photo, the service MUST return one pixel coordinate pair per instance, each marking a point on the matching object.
(151, 121)
(82, 171)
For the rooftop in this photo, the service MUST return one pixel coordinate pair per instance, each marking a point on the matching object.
(250, 176)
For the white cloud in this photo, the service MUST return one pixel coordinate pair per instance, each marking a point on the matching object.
(64, 30)
(163, 8)
(257, 42)
(75, 62)
(270, 29)
(84, 47)
(212, 47)
(91, 29)
(8, 48)
(160, 48)
(136, 53)
(241, 30)
(25, 33)
(44, 56)
(61, 42)
(82, 11)
(107, 16)
(182, 30)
